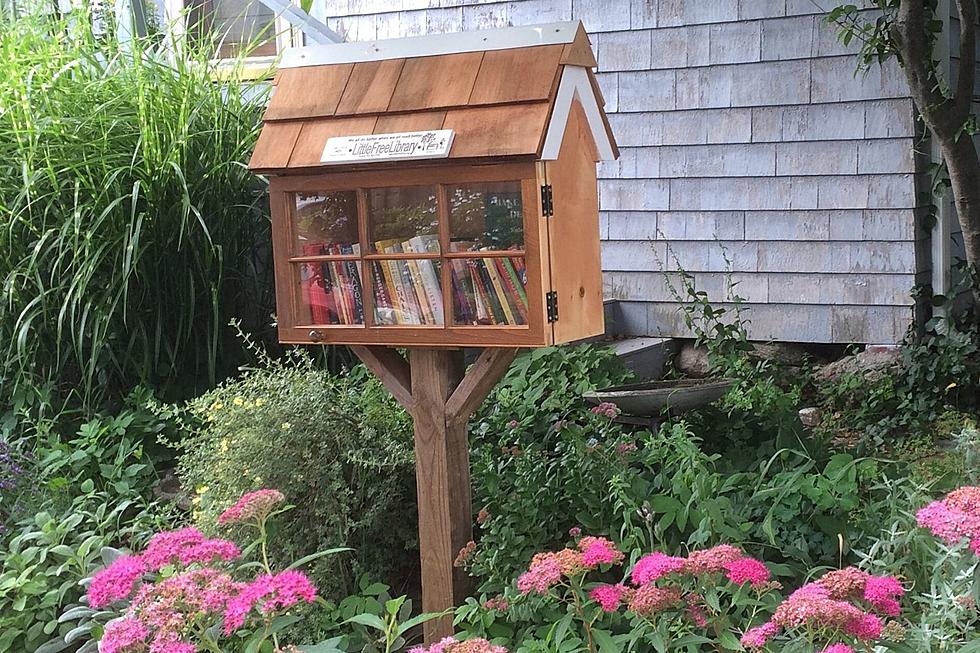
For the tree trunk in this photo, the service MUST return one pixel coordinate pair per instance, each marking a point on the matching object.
(946, 117)
(964, 174)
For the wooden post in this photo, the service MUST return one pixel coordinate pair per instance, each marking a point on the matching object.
(440, 397)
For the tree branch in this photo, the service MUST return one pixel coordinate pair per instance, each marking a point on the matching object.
(968, 58)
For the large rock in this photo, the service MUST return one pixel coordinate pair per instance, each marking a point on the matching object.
(784, 353)
(692, 360)
(871, 364)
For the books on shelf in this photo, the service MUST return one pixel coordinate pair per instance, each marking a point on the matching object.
(408, 291)
(332, 289)
(485, 290)
(489, 289)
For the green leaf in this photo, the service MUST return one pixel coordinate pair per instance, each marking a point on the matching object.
(729, 641)
(392, 606)
(408, 624)
(316, 556)
(369, 620)
(562, 629)
(87, 485)
(331, 645)
(283, 621)
(605, 641)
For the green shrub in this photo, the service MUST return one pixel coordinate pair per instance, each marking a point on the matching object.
(89, 492)
(337, 445)
(132, 229)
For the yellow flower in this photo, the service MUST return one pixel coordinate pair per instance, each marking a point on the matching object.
(196, 500)
(201, 489)
(217, 406)
(286, 426)
(259, 402)
(224, 445)
(197, 515)
(238, 401)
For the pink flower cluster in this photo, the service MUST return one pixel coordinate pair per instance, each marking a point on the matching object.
(955, 518)
(254, 506)
(738, 567)
(548, 568)
(453, 645)
(832, 605)
(607, 409)
(648, 599)
(268, 593)
(184, 547)
(163, 614)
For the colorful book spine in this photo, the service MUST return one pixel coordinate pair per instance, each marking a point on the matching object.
(514, 291)
(429, 274)
(498, 290)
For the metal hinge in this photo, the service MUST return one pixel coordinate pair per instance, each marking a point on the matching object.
(551, 299)
(547, 201)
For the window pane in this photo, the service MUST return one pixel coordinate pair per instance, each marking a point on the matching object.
(330, 293)
(233, 26)
(325, 223)
(489, 290)
(407, 292)
(486, 216)
(403, 219)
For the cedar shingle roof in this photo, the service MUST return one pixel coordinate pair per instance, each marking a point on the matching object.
(498, 101)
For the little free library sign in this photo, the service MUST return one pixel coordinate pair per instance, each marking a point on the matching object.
(401, 146)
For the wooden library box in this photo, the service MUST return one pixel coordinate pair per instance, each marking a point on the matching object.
(439, 190)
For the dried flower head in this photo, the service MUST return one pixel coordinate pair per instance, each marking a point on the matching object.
(650, 600)
(465, 554)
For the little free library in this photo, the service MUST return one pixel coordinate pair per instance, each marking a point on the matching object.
(430, 194)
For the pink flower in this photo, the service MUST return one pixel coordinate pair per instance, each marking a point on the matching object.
(116, 581)
(452, 645)
(599, 551)
(747, 570)
(608, 596)
(838, 648)
(268, 593)
(955, 518)
(712, 560)
(883, 592)
(186, 547)
(544, 572)
(867, 627)
(760, 635)
(166, 606)
(254, 506)
(607, 409)
(574, 531)
(123, 636)
(653, 566)
(171, 644)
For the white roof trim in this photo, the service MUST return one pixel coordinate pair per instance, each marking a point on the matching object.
(575, 85)
(433, 44)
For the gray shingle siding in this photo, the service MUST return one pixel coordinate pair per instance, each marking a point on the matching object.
(748, 144)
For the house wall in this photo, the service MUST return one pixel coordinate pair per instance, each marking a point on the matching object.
(748, 144)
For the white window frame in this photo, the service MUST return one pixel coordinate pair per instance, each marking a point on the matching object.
(287, 36)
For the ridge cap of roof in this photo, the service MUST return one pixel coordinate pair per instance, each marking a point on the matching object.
(503, 38)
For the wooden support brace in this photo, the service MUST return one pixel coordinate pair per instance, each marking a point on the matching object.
(440, 397)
